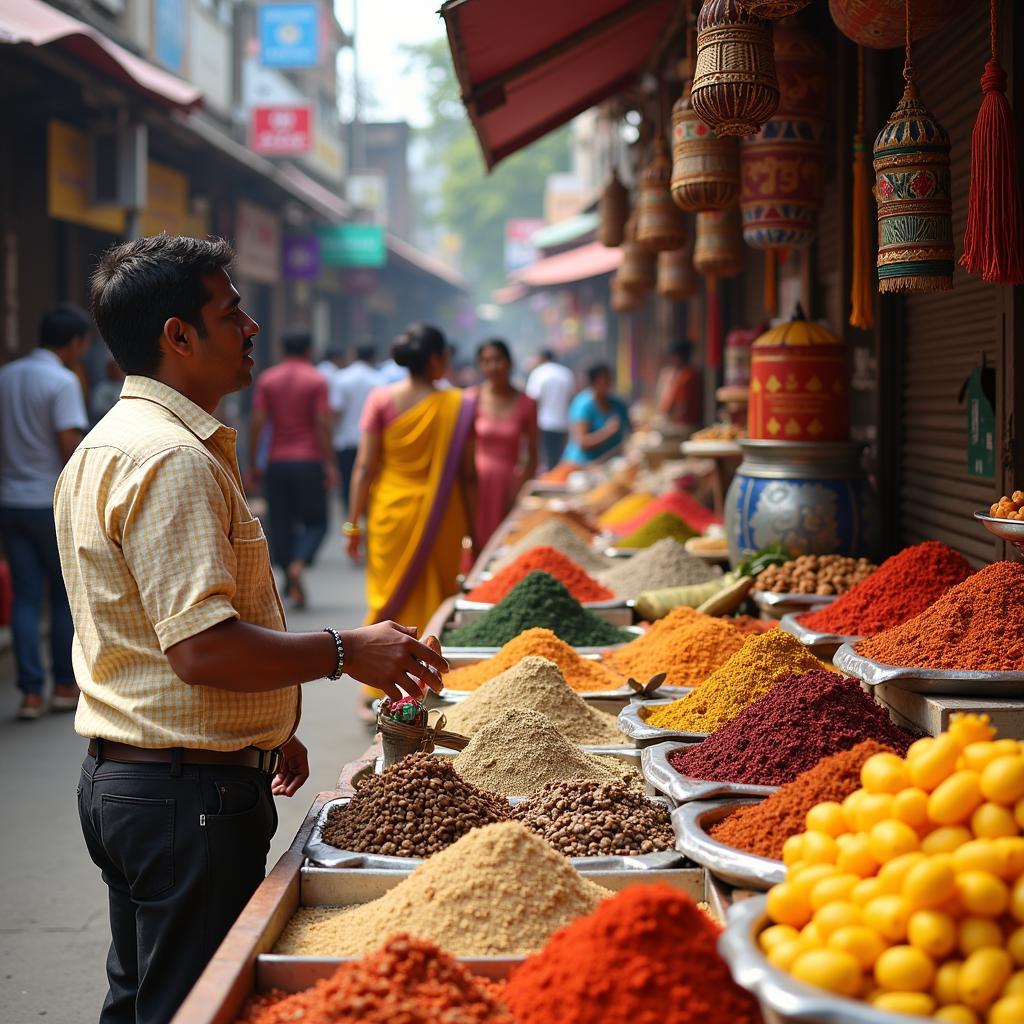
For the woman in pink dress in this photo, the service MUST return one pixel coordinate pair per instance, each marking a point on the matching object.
(506, 438)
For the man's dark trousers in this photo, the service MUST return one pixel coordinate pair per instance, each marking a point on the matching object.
(181, 849)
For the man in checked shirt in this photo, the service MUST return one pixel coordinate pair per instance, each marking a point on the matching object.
(189, 679)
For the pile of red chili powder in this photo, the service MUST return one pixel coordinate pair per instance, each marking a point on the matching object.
(408, 980)
(789, 730)
(900, 588)
(978, 625)
(647, 954)
(577, 580)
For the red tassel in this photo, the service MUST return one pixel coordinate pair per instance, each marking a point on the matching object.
(713, 323)
(994, 239)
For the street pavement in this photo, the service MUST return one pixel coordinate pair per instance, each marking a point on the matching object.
(53, 925)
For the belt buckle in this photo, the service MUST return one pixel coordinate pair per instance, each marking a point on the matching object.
(270, 761)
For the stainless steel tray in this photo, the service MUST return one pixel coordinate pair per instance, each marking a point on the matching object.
(821, 645)
(783, 998)
(775, 603)
(681, 789)
(632, 724)
(618, 611)
(935, 681)
(737, 867)
(447, 696)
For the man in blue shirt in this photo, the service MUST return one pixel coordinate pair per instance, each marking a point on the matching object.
(598, 419)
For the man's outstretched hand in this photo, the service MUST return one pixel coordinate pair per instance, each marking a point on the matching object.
(391, 658)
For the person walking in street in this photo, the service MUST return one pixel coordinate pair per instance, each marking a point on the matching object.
(42, 420)
(347, 392)
(598, 418)
(551, 386)
(506, 438)
(332, 362)
(679, 388)
(189, 678)
(292, 399)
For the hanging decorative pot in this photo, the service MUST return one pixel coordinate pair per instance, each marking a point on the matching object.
(659, 222)
(638, 269)
(624, 299)
(677, 279)
(613, 212)
(705, 166)
(772, 10)
(783, 165)
(718, 243)
(734, 85)
(880, 24)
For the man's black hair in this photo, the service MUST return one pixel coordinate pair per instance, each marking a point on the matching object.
(547, 355)
(297, 342)
(139, 285)
(682, 349)
(62, 323)
(366, 353)
(599, 370)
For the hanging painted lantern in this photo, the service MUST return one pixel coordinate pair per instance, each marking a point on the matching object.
(613, 212)
(659, 222)
(718, 243)
(881, 24)
(798, 384)
(912, 188)
(638, 269)
(734, 85)
(705, 166)
(677, 280)
(624, 299)
(772, 10)
(783, 165)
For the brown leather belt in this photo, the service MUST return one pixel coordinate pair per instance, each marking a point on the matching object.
(249, 757)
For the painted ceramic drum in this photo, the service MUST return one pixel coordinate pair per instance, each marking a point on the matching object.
(705, 166)
(881, 24)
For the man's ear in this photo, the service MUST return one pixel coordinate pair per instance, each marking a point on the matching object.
(178, 336)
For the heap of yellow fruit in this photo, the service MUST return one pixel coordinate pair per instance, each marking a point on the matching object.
(910, 894)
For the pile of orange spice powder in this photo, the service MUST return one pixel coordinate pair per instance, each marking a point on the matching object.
(577, 580)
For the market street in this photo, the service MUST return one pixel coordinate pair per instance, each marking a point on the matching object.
(54, 901)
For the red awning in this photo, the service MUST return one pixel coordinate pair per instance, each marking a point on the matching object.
(591, 260)
(35, 23)
(528, 67)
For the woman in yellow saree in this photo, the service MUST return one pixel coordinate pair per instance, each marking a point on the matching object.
(415, 481)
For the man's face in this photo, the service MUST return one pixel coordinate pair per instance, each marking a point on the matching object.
(224, 357)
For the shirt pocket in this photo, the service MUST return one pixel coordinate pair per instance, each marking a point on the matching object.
(255, 595)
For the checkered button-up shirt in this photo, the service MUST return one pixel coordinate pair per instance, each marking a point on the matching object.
(157, 544)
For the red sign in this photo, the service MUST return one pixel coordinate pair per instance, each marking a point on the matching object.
(284, 130)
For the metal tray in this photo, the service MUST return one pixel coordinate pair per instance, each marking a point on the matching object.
(775, 604)
(447, 696)
(783, 998)
(479, 653)
(617, 610)
(821, 645)
(737, 867)
(1010, 530)
(632, 724)
(934, 681)
(681, 789)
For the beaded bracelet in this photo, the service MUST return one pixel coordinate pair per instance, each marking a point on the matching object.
(340, 667)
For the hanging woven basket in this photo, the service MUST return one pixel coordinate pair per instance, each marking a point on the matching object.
(705, 166)
(735, 89)
(783, 165)
(638, 269)
(880, 23)
(677, 278)
(624, 299)
(613, 212)
(659, 222)
(772, 10)
(718, 243)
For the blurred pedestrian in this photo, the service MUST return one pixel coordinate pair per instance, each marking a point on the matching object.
(391, 372)
(679, 397)
(551, 386)
(106, 393)
(598, 419)
(347, 392)
(291, 398)
(332, 362)
(506, 438)
(42, 421)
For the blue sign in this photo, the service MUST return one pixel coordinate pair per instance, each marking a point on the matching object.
(169, 31)
(289, 35)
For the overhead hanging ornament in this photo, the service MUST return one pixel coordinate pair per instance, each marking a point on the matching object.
(879, 24)
(613, 212)
(772, 10)
(783, 165)
(862, 263)
(912, 188)
(734, 85)
(718, 243)
(638, 269)
(659, 222)
(625, 299)
(677, 278)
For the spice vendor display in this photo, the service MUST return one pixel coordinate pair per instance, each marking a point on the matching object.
(659, 222)
(560, 474)
(555, 534)
(685, 645)
(599, 499)
(664, 524)
(577, 580)
(1011, 507)
(748, 625)
(499, 890)
(529, 521)
(763, 661)
(648, 954)
(687, 508)
(596, 819)
(900, 588)
(880, 23)
(538, 600)
(521, 750)
(977, 625)
(720, 432)
(824, 575)
(423, 986)
(626, 508)
(789, 730)
(763, 828)
(537, 684)
(582, 674)
(910, 894)
(664, 564)
(412, 809)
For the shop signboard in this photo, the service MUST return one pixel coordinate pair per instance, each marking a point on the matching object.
(301, 258)
(169, 34)
(68, 182)
(519, 250)
(167, 206)
(979, 390)
(281, 129)
(353, 245)
(258, 243)
(289, 35)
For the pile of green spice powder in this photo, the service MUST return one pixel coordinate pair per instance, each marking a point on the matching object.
(538, 600)
(664, 524)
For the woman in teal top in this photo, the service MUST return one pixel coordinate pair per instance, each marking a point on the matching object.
(598, 419)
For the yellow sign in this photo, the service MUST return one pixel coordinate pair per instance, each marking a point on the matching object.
(167, 206)
(68, 182)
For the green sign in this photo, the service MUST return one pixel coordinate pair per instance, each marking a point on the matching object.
(979, 390)
(353, 245)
